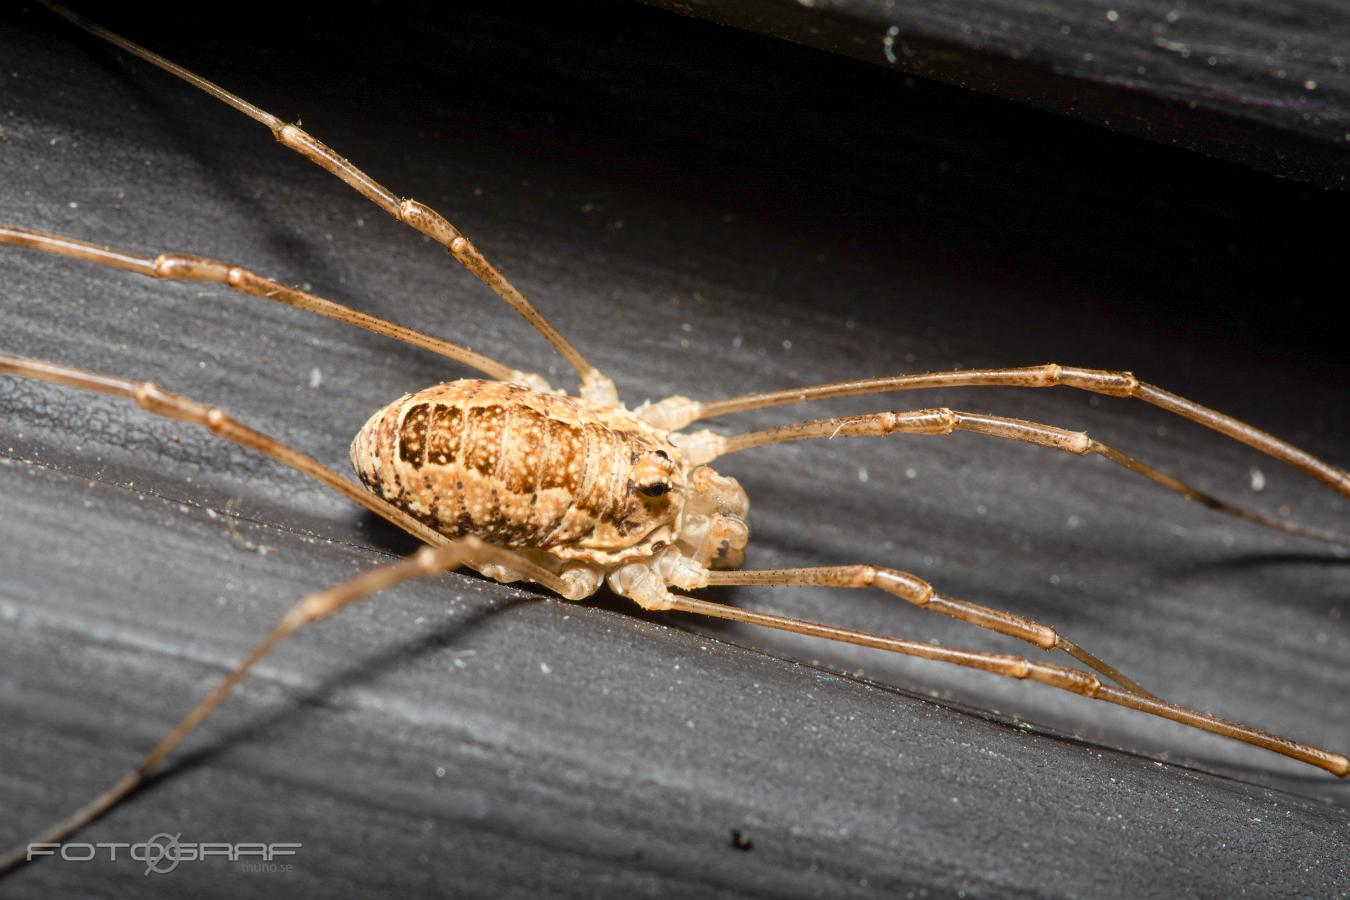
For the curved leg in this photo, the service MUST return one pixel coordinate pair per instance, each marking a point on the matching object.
(317, 606)
(185, 267)
(594, 385)
(704, 446)
(915, 590)
(676, 412)
(155, 399)
(1066, 679)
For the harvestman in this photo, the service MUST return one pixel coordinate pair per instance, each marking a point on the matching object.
(519, 481)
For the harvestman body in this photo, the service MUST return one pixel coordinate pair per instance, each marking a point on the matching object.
(520, 481)
(591, 487)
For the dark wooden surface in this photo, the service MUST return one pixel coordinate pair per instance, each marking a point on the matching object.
(707, 212)
(1259, 83)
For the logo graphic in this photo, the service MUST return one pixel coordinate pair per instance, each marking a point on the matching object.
(161, 858)
(163, 853)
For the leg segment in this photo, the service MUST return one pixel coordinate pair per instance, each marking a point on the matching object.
(320, 605)
(155, 399)
(677, 412)
(184, 267)
(704, 446)
(1066, 679)
(920, 593)
(594, 385)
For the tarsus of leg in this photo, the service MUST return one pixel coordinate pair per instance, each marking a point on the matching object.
(944, 421)
(425, 562)
(677, 412)
(920, 593)
(1068, 679)
(185, 267)
(423, 218)
(155, 399)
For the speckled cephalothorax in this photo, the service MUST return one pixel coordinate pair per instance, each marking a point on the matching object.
(581, 482)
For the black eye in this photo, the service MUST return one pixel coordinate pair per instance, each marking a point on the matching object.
(654, 490)
(663, 454)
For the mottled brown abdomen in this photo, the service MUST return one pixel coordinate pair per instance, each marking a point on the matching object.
(513, 466)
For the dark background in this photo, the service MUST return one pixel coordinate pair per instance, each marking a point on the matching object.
(1258, 83)
(707, 212)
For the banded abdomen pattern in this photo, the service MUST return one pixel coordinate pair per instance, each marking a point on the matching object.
(513, 466)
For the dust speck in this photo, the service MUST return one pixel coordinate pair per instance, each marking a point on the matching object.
(888, 43)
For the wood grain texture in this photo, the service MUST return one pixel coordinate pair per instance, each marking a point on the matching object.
(701, 211)
(1258, 83)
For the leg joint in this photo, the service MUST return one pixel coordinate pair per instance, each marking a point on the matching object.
(155, 399)
(938, 420)
(186, 267)
(901, 584)
(1075, 680)
(432, 224)
(1099, 381)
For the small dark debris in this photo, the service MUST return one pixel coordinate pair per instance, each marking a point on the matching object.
(740, 840)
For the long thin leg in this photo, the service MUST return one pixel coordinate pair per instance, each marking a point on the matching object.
(704, 446)
(185, 267)
(915, 590)
(317, 606)
(676, 412)
(1067, 679)
(155, 399)
(594, 385)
